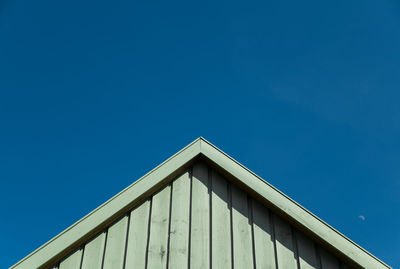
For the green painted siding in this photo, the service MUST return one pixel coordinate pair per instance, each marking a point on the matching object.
(200, 220)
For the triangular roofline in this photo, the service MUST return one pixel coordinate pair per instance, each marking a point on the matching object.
(109, 211)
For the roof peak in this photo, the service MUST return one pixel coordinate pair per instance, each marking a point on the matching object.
(165, 172)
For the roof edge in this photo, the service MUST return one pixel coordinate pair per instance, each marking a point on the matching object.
(64, 240)
(288, 206)
(83, 228)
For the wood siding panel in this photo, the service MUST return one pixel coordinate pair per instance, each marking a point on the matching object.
(73, 261)
(263, 237)
(93, 253)
(328, 261)
(284, 244)
(199, 150)
(221, 223)
(179, 231)
(200, 222)
(241, 227)
(137, 237)
(158, 241)
(307, 252)
(115, 245)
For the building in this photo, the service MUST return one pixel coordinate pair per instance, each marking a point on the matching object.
(200, 209)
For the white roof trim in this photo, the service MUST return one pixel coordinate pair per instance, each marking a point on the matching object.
(98, 217)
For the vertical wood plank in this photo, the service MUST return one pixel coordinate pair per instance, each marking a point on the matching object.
(179, 231)
(200, 230)
(137, 237)
(307, 252)
(115, 245)
(158, 241)
(328, 261)
(73, 261)
(284, 244)
(263, 239)
(221, 230)
(93, 253)
(242, 235)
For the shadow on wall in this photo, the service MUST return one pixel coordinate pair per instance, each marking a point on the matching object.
(203, 220)
(274, 242)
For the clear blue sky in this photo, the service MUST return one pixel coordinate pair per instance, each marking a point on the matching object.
(93, 94)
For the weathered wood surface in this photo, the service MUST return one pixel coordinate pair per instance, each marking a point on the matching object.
(73, 261)
(241, 226)
(263, 237)
(307, 252)
(98, 219)
(159, 224)
(179, 231)
(221, 223)
(201, 220)
(284, 244)
(115, 245)
(93, 252)
(137, 237)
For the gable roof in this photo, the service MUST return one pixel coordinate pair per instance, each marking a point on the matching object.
(199, 149)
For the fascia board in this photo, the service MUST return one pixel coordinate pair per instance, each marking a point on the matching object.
(67, 239)
(295, 211)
